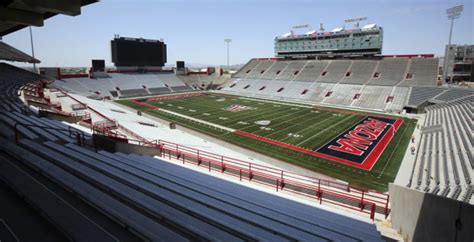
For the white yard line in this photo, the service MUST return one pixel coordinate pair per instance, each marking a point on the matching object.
(324, 130)
(296, 124)
(198, 120)
(276, 102)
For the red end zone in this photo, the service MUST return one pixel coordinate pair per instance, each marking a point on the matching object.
(142, 101)
(366, 164)
(144, 104)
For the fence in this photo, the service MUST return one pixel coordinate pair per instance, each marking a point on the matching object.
(369, 202)
(336, 193)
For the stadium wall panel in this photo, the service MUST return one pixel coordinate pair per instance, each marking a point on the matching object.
(423, 216)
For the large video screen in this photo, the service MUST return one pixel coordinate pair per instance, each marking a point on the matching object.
(138, 52)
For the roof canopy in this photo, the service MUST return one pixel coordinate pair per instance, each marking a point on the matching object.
(17, 14)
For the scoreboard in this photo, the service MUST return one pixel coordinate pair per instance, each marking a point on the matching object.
(138, 52)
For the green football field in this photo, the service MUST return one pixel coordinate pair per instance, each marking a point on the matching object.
(298, 125)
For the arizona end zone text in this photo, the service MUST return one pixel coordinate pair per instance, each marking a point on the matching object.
(363, 143)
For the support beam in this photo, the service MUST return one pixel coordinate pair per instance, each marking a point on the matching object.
(69, 7)
(16, 16)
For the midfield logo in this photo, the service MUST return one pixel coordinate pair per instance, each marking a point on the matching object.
(238, 108)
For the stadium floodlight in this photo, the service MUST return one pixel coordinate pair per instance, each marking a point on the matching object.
(32, 49)
(356, 19)
(453, 13)
(302, 26)
(228, 42)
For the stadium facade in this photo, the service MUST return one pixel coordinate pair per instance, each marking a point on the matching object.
(340, 42)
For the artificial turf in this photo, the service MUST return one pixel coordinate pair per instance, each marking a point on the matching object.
(300, 125)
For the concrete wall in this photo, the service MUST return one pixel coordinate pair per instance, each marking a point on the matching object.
(421, 216)
(104, 143)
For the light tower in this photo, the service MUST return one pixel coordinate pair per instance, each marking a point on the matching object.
(32, 49)
(228, 42)
(355, 20)
(453, 13)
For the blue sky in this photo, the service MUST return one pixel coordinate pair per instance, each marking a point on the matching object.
(194, 30)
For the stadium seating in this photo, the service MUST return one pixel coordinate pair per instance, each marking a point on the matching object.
(273, 88)
(319, 91)
(254, 86)
(9, 53)
(181, 89)
(390, 90)
(262, 67)
(293, 67)
(343, 95)
(159, 90)
(275, 69)
(453, 94)
(169, 80)
(335, 71)
(311, 71)
(127, 85)
(294, 90)
(400, 97)
(424, 72)
(420, 95)
(390, 72)
(133, 92)
(373, 97)
(112, 196)
(246, 69)
(360, 72)
(444, 164)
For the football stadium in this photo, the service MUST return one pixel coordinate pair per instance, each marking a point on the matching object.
(328, 139)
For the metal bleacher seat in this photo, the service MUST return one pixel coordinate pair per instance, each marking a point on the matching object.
(360, 72)
(424, 73)
(246, 69)
(159, 90)
(390, 72)
(311, 71)
(116, 196)
(155, 199)
(343, 94)
(75, 223)
(271, 87)
(24, 119)
(181, 88)
(400, 98)
(105, 202)
(454, 93)
(21, 129)
(446, 149)
(260, 69)
(170, 80)
(264, 204)
(420, 95)
(335, 71)
(291, 71)
(319, 90)
(189, 182)
(133, 92)
(275, 70)
(373, 97)
(294, 90)
(175, 182)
